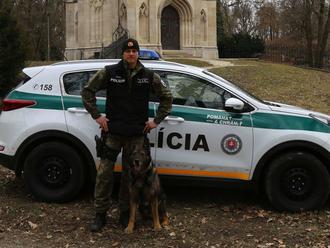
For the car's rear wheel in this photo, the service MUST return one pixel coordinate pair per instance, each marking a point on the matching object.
(54, 172)
(297, 181)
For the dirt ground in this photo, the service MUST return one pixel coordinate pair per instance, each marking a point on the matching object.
(199, 217)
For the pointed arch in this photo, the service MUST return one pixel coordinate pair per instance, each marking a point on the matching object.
(185, 11)
(144, 10)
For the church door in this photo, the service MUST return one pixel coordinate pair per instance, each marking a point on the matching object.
(170, 28)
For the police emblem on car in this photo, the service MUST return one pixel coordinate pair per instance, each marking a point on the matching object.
(231, 144)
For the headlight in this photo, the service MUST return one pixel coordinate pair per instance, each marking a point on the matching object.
(322, 118)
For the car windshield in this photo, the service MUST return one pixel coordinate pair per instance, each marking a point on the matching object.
(234, 86)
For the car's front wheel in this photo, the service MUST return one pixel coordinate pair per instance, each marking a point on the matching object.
(297, 181)
(54, 172)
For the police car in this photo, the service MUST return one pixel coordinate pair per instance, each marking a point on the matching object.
(148, 54)
(215, 132)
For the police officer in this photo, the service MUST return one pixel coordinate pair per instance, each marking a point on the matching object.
(128, 85)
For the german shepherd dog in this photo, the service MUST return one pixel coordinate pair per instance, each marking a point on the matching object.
(145, 190)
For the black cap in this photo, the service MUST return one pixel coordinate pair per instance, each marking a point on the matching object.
(130, 44)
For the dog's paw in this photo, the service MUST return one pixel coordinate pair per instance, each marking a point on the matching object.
(157, 228)
(128, 230)
(165, 222)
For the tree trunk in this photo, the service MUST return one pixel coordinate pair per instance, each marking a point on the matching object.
(323, 40)
(309, 32)
(318, 56)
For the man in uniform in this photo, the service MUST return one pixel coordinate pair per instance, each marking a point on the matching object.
(128, 85)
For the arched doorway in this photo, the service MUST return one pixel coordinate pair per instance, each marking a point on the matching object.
(170, 28)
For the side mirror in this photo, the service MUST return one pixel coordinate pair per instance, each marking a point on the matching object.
(234, 104)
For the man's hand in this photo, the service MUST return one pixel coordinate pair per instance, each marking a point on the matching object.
(149, 125)
(103, 122)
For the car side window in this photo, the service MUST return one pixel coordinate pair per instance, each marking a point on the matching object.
(76, 81)
(192, 91)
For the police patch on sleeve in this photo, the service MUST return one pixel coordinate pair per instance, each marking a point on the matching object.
(231, 144)
(163, 83)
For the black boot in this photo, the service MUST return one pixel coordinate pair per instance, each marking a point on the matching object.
(99, 222)
(123, 218)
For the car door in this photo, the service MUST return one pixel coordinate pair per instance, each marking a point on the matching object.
(79, 122)
(200, 138)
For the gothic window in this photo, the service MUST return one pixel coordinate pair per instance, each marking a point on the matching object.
(203, 15)
(143, 10)
(204, 24)
(98, 4)
(123, 15)
(76, 23)
(144, 22)
(96, 20)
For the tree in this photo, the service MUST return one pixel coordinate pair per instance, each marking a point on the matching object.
(33, 16)
(237, 16)
(12, 48)
(268, 21)
(312, 19)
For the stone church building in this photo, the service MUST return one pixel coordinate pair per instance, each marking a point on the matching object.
(185, 25)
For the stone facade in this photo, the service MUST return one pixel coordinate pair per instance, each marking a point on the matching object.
(186, 25)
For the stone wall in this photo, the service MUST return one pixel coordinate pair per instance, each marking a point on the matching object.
(90, 24)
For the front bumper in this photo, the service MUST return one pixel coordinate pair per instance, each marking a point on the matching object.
(7, 161)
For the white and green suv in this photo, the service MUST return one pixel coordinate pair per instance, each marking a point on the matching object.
(215, 132)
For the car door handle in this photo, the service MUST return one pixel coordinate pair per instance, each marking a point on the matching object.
(77, 110)
(174, 118)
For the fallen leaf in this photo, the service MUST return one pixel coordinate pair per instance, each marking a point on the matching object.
(270, 220)
(32, 225)
(172, 234)
(280, 241)
(225, 209)
(247, 217)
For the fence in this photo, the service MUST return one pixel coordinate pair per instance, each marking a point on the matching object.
(294, 55)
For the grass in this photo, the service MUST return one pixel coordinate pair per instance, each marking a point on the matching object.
(194, 62)
(281, 83)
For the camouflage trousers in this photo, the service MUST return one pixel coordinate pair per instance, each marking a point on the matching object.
(105, 176)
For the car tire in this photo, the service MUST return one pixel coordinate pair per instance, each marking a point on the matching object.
(297, 181)
(54, 172)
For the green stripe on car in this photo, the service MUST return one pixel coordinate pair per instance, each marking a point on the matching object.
(217, 117)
